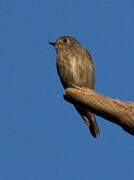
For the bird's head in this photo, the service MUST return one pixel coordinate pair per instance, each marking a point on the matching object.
(64, 42)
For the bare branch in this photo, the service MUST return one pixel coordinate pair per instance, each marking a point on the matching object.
(118, 112)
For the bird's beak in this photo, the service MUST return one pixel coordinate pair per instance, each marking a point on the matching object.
(52, 43)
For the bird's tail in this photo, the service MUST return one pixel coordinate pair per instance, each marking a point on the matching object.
(92, 124)
(90, 120)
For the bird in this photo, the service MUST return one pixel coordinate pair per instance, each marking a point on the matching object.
(75, 67)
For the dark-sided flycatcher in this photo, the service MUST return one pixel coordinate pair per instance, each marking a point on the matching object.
(76, 68)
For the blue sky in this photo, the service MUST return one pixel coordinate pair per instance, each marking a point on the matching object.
(41, 135)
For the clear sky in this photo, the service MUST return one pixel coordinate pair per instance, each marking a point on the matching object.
(42, 137)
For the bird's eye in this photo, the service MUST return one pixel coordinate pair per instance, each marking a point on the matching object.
(65, 40)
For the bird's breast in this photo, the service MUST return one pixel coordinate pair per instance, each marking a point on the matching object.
(69, 69)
